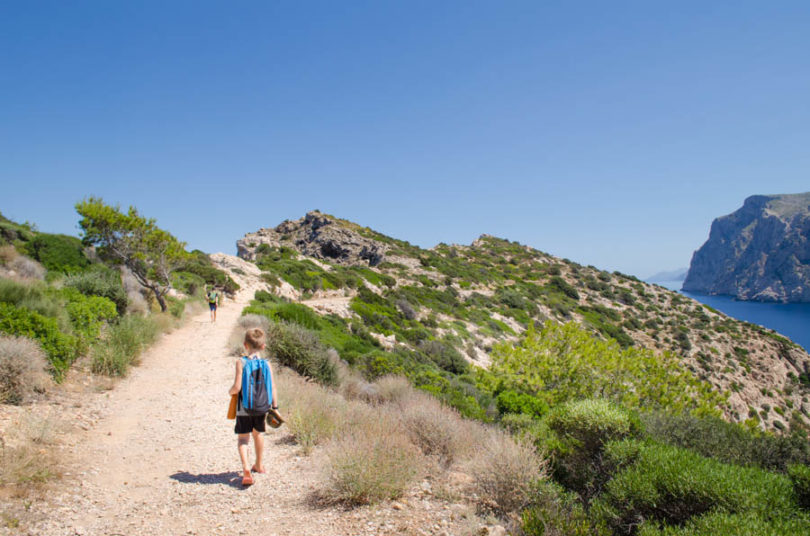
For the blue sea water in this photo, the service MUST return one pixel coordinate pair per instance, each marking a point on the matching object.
(790, 319)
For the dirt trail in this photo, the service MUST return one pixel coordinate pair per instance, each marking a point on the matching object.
(162, 458)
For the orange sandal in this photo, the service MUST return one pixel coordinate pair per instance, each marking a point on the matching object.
(247, 480)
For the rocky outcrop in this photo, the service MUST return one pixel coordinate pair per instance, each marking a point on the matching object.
(317, 235)
(760, 252)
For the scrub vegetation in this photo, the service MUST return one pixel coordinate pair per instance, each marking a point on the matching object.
(626, 390)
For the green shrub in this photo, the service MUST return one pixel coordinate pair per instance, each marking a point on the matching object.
(728, 524)
(513, 402)
(555, 512)
(200, 264)
(445, 356)
(300, 349)
(566, 362)
(188, 283)
(58, 253)
(36, 297)
(581, 431)
(673, 485)
(100, 281)
(728, 442)
(800, 478)
(123, 343)
(560, 284)
(61, 349)
(88, 313)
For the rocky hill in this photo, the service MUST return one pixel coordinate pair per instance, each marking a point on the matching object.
(759, 252)
(453, 303)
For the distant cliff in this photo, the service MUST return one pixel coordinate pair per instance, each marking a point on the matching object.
(760, 252)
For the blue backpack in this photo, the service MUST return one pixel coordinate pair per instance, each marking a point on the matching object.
(257, 391)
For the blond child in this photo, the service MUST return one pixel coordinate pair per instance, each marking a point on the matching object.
(250, 422)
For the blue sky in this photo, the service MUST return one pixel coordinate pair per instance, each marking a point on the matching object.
(610, 133)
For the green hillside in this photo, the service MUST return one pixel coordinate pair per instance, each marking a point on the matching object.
(439, 316)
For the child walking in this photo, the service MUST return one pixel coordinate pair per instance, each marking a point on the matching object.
(256, 394)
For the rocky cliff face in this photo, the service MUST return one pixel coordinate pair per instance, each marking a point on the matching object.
(317, 235)
(760, 252)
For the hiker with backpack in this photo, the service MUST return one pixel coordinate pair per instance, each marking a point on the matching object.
(213, 300)
(255, 390)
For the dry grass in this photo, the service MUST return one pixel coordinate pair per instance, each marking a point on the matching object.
(505, 472)
(353, 387)
(380, 437)
(25, 456)
(313, 414)
(22, 369)
(393, 389)
(237, 337)
(371, 460)
(27, 268)
(7, 254)
(437, 430)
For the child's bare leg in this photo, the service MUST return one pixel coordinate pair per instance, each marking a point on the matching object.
(258, 442)
(243, 442)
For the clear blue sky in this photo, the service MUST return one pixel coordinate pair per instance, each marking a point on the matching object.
(611, 133)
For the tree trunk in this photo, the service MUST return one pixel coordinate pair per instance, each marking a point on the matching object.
(161, 301)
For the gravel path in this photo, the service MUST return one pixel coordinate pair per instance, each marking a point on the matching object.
(162, 457)
(156, 456)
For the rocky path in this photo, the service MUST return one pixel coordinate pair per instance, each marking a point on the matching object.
(162, 457)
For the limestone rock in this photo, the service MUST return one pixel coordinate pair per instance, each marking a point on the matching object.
(760, 252)
(320, 236)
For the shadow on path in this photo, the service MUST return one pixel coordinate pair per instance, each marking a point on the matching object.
(230, 478)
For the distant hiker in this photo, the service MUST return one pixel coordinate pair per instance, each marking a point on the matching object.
(213, 299)
(255, 388)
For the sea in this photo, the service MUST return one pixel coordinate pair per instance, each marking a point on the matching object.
(790, 319)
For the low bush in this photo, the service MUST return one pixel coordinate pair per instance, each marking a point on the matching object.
(505, 472)
(662, 483)
(301, 350)
(728, 442)
(437, 430)
(445, 356)
(581, 431)
(729, 524)
(356, 388)
(123, 343)
(36, 297)
(88, 313)
(393, 388)
(100, 281)
(513, 402)
(800, 478)
(245, 322)
(199, 264)
(27, 268)
(372, 460)
(58, 253)
(555, 512)
(313, 416)
(22, 369)
(24, 456)
(188, 283)
(60, 348)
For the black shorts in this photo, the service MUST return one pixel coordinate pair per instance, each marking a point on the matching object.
(212, 306)
(246, 424)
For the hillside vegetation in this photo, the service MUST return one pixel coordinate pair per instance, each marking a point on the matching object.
(638, 396)
(431, 314)
(72, 301)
